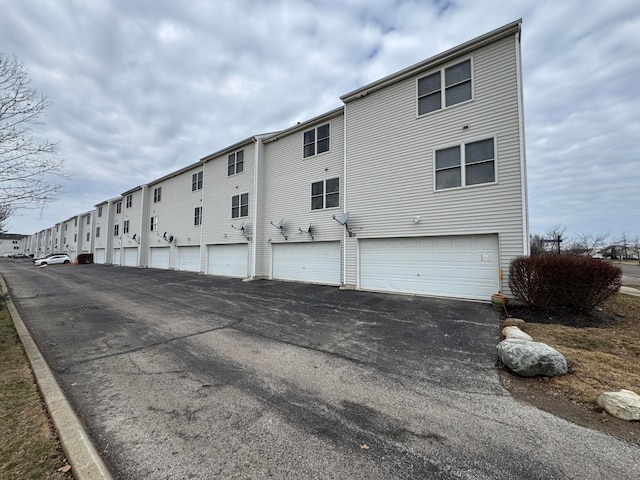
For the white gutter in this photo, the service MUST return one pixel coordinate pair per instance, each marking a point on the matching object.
(344, 201)
(523, 151)
(254, 226)
(202, 249)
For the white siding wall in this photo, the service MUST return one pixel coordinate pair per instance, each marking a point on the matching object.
(134, 215)
(218, 193)
(101, 242)
(390, 170)
(287, 179)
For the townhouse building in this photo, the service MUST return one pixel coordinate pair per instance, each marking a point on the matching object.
(415, 184)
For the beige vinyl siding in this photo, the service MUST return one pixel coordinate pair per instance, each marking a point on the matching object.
(287, 179)
(390, 170)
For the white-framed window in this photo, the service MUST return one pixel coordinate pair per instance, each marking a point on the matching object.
(316, 140)
(197, 216)
(153, 224)
(129, 200)
(235, 163)
(119, 207)
(99, 211)
(471, 163)
(88, 219)
(125, 226)
(88, 236)
(97, 232)
(75, 222)
(66, 227)
(325, 194)
(157, 194)
(116, 230)
(196, 181)
(75, 238)
(240, 205)
(446, 87)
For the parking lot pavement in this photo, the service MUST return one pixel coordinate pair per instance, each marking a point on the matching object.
(179, 375)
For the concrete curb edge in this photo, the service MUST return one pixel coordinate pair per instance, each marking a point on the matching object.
(86, 463)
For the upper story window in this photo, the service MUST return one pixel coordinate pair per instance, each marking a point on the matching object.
(129, 201)
(157, 194)
(125, 226)
(97, 232)
(75, 222)
(153, 224)
(88, 236)
(316, 141)
(88, 219)
(240, 205)
(325, 194)
(116, 230)
(467, 164)
(75, 237)
(197, 216)
(444, 88)
(196, 181)
(119, 207)
(99, 211)
(235, 163)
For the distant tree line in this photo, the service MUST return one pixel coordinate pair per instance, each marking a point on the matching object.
(600, 245)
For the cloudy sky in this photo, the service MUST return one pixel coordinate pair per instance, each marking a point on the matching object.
(139, 88)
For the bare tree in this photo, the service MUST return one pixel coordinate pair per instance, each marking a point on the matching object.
(5, 213)
(591, 243)
(624, 244)
(537, 244)
(555, 236)
(28, 166)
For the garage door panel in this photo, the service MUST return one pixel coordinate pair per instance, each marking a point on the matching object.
(116, 256)
(317, 262)
(228, 260)
(160, 257)
(464, 267)
(131, 256)
(189, 258)
(100, 255)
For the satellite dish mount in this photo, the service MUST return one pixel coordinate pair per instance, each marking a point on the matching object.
(307, 231)
(242, 229)
(280, 226)
(342, 220)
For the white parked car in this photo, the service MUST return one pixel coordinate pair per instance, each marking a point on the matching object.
(53, 259)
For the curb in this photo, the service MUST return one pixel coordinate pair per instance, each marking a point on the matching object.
(86, 463)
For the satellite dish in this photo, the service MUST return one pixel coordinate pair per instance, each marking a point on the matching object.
(134, 236)
(342, 219)
(164, 235)
(241, 226)
(279, 224)
(171, 239)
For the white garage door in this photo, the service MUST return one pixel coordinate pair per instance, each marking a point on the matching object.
(455, 266)
(189, 259)
(317, 262)
(100, 255)
(228, 260)
(131, 256)
(116, 256)
(160, 257)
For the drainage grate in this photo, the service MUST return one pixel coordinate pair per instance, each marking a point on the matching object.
(89, 308)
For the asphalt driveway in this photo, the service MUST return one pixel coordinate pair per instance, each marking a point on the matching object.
(179, 375)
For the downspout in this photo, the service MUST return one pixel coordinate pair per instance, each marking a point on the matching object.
(204, 185)
(254, 226)
(142, 260)
(344, 189)
(523, 154)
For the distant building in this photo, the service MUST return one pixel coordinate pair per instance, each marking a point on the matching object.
(12, 243)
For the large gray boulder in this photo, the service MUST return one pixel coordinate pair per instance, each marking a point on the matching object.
(531, 359)
(624, 404)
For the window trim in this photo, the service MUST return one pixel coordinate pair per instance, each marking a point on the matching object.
(157, 194)
(153, 224)
(240, 205)
(463, 163)
(128, 201)
(116, 230)
(125, 227)
(98, 232)
(235, 163)
(197, 216)
(197, 180)
(443, 87)
(118, 208)
(324, 193)
(316, 140)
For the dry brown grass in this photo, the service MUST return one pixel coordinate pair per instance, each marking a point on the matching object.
(605, 358)
(28, 445)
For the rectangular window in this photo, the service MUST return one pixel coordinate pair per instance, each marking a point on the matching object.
(196, 181)
(471, 163)
(157, 193)
(97, 232)
(125, 226)
(454, 81)
(75, 237)
(129, 200)
(88, 220)
(316, 141)
(325, 194)
(197, 216)
(240, 205)
(116, 230)
(75, 222)
(88, 236)
(154, 224)
(235, 163)
(119, 207)
(99, 211)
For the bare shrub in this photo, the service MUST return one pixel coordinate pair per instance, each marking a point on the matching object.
(573, 282)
